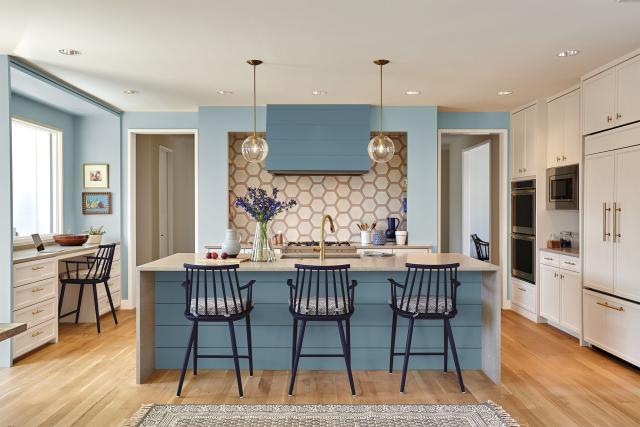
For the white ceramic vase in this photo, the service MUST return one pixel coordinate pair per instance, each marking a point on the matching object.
(94, 239)
(231, 244)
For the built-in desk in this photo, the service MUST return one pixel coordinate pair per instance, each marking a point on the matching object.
(36, 291)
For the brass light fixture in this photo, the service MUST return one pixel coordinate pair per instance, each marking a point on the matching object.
(254, 148)
(381, 148)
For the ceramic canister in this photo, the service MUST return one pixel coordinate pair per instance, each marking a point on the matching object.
(231, 244)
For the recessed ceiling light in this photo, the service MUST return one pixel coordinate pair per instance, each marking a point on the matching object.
(225, 92)
(413, 92)
(570, 52)
(505, 92)
(319, 92)
(70, 52)
(131, 91)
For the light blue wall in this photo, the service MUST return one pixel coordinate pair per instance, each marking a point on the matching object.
(478, 120)
(35, 111)
(6, 238)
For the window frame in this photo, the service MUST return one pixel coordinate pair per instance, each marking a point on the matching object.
(19, 241)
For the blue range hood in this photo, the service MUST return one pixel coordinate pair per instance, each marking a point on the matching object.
(318, 139)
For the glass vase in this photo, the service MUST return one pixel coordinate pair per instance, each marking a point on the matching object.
(262, 250)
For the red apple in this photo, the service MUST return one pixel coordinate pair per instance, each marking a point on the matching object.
(209, 255)
(214, 255)
(224, 255)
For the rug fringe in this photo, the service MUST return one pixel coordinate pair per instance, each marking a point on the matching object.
(137, 418)
(504, 416)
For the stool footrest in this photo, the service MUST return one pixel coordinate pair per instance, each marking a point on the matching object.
(421, 354)
(219, 356)
(67, 314)
(321, 355)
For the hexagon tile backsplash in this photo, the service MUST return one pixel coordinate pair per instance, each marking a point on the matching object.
(348, 199)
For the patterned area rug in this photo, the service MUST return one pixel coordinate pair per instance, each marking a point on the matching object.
(473, 415)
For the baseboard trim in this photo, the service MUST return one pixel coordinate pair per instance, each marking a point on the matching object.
(126, 304)
(523, 312)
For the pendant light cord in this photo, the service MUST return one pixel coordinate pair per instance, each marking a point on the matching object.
(380, 101)
(254, 104)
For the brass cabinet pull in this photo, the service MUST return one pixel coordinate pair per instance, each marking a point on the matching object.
(37, 267)
(618, 115)
(34, 290)
(616, 223)
(606, 304)
(35, 334)
(605, 233)
(38, 311)
(609, 119)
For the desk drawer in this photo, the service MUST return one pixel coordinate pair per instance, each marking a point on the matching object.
(36, 314)
(33, 293)
(34, 337)
(114, 286)
(29, 272)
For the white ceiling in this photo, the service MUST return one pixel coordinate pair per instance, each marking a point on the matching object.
(458, 53)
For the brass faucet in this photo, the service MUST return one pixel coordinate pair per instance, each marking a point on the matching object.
(333, 230)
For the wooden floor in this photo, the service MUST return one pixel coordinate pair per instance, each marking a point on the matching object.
(89, 380)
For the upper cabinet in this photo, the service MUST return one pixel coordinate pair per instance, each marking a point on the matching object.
(523, 140)
(563, 130)
(612, 97)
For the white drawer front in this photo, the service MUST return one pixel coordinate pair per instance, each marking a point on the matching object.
(34, 337)
(115, 268)
(114, 286)
(570, 263)
(524, 295)
(103, 303)
(29, 272)
(550, 259)
(33, 293)
(36, 314)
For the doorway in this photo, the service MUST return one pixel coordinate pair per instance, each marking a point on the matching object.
(476, 196)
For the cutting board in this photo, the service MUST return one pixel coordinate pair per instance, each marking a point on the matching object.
(229, 261)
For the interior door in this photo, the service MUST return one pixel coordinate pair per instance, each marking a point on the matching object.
(549, 293)
(517, 149)
(570, 302)
(627, 230)
(598, 201)
(598, 101)
(628, 94)
(555, 132)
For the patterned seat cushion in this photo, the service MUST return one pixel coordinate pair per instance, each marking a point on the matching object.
(212, 303)
(323, 310)
(425, 307)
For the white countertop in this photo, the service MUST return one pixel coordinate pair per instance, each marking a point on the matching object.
(394, 263)
(31, 254)
(356, 245)
(574, 252)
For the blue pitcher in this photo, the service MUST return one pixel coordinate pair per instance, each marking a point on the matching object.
(392, 226)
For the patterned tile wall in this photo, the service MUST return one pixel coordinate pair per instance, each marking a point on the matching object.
(348, 199)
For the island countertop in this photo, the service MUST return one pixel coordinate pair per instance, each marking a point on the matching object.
(392, 263)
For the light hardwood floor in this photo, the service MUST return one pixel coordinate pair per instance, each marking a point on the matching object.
(89, 380)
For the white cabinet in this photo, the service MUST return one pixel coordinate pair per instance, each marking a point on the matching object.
(560, 290)
(563, 130)
(612, 98)
(523, 295)
(523, 140)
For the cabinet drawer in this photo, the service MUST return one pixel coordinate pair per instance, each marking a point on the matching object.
(114, 286)
(115, 268)
(524, 295)
(609, 323)
(34, 337)
(36, 314)
(103, 303)
(570, 263)
(33, 293)
(549, 258)
(29, 272)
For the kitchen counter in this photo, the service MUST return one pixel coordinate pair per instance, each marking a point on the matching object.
(8, 330)
(356, 245)
(162, 331)
(26, 254)
(574, 252)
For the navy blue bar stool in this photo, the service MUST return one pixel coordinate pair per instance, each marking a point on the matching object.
(429, 292)
(214, 294)
(94, 270)
(321, 294)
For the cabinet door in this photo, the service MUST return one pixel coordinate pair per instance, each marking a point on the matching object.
(627, 265)
(555, 132)
(570, 300)
(598, 245)
(628, 93)
(549, 293)
(572, 137)
(598, 102)
(517, 143)
(530, 122)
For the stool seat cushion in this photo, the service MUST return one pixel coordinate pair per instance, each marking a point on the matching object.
(332, 309)
(425, 305)
(216, 307)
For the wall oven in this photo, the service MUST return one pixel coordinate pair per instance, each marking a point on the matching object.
(523, 207)
(523, 257)
(562, 187)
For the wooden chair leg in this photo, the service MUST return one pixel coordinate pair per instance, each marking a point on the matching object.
(113, 310)
(446, 346)
(186, 359)
(407, 350)
(249, 345)
(95, 306)
(347, 356)
(195, 349)
(394, 323)
(293, 344)
(236, 360)
(296, 359)
(454, 353)
(64, 285)
(80, 294)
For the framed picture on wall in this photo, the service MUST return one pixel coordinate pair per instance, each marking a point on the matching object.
(95, 175)
(96, 203)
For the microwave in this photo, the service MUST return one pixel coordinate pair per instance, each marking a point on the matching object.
(562, 187)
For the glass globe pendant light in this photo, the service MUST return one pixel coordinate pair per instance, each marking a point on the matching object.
(254, 148)
(381, 148)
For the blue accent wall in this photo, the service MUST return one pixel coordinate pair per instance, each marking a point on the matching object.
(473, 120)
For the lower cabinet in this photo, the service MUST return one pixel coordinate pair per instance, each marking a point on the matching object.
(612, 324)
(560, 291)
(523, 296)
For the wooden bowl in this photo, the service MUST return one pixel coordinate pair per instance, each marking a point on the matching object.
(71, 239)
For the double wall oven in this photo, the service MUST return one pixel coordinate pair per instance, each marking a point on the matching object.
(523, 230)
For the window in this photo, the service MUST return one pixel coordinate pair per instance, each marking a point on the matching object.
(37, 182)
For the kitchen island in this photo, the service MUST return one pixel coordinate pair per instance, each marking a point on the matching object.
(163, 332)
